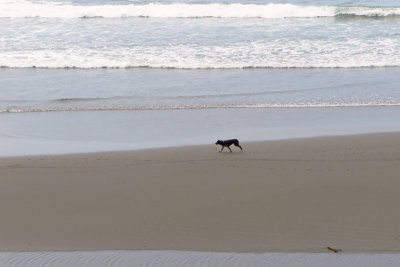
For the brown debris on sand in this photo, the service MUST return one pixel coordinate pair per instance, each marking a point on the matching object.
(334, 250)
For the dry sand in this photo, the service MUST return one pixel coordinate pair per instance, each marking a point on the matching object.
(293, 195)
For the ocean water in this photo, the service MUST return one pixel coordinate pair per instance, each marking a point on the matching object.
(192, 258)
(188, 61)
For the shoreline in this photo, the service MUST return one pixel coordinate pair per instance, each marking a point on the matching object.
(194, 146)
(296, 195)
(193, 258)
(53, 134)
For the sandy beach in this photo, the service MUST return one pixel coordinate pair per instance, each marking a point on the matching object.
(299, 195)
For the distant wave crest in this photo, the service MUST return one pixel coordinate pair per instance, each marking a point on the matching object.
(26, 9)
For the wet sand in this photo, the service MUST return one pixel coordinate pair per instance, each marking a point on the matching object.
(291, 195)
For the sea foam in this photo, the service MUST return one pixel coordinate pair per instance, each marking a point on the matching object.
(26, 9)
(280, 53)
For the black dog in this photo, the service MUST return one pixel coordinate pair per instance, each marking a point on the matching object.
(228, 143)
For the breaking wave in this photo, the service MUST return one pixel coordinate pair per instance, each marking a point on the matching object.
(281, 53)
(27, 9)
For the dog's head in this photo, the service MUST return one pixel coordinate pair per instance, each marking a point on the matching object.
(219, 142)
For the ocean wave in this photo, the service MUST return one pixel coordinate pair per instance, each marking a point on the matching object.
(280, 53)
(27, 9)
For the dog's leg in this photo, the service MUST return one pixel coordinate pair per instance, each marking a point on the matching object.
(229, 148)
(236, 143)
(221, 149)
